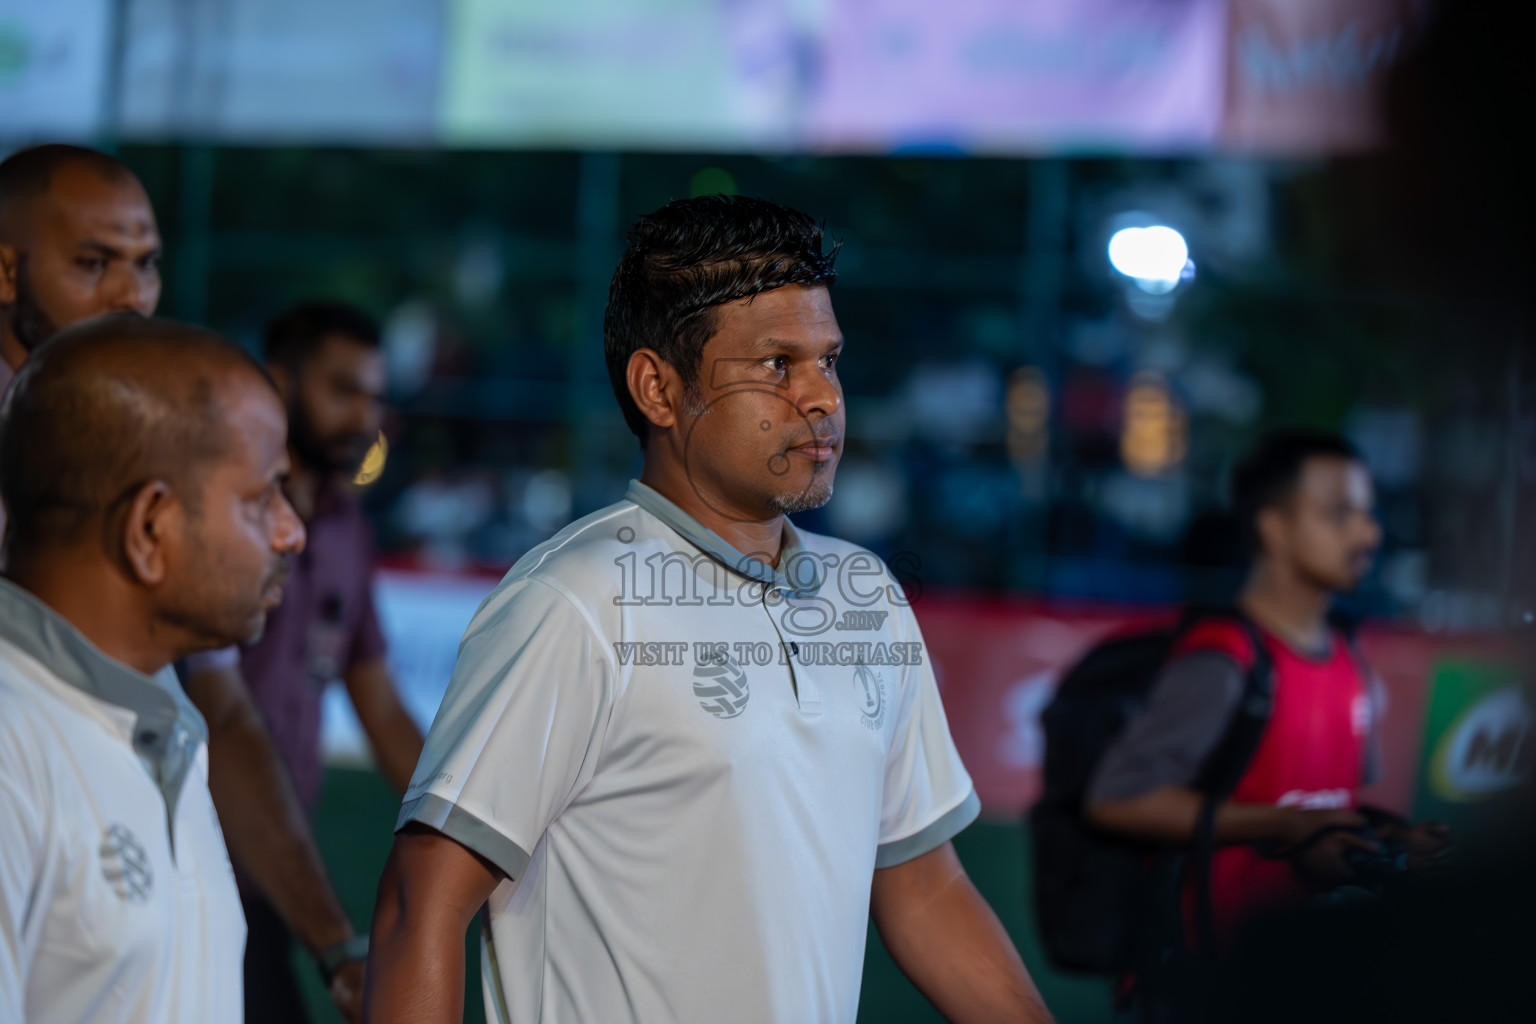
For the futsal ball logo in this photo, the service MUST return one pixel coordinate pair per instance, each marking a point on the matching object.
(125, 864)
(721, 687)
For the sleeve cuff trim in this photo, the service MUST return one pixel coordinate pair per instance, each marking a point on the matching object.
(948, 825)
(465, 829)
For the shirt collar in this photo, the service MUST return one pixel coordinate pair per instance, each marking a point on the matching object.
(800, 574)
(167, 728)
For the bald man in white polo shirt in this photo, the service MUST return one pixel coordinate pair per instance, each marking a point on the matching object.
(134, 454)
(78, 239)
(688, 750)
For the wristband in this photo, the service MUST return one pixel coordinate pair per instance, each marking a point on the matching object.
(333, 958)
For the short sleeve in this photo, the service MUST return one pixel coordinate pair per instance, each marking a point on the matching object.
(519, 731)
(368, 638)
(928, 797)
(21, 861)
(1192, 702)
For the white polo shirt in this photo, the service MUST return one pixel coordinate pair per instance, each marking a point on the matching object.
(689, 764)
(117, 902)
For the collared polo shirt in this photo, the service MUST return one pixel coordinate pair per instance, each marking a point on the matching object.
(117, 902)
(689, 764)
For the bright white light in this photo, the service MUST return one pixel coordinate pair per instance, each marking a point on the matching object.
(1153, 257)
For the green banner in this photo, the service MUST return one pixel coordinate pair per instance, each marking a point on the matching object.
(1478, 742)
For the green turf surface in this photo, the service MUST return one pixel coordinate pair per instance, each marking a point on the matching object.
(357, 811)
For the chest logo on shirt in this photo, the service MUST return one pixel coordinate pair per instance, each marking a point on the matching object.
(125, 864)
(869, 691)
(721, 685)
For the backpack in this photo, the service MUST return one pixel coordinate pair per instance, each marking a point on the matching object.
(1094, 892)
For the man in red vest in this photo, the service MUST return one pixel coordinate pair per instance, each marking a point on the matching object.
(1305, 501)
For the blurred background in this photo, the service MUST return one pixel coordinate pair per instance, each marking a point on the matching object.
(1091, 249)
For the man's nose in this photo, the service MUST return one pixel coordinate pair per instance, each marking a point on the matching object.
(289, 536)
(1370, 532)
(129, 291)
(819, 394)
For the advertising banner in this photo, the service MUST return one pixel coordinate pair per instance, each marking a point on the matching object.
(1478, 743)
(53, 68)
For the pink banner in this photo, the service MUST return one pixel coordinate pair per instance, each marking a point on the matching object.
(999, 75)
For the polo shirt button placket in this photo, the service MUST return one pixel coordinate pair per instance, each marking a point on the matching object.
(807, 692)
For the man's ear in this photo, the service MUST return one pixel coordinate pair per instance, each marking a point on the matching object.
(655, 386)
(10, 272)
(152, 528)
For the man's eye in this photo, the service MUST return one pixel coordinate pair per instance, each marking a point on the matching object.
(776, 363)
(90, 263)
(149, 262)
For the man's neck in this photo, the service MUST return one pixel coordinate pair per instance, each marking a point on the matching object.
(760, 539)
(1287, 605)
(99, 603)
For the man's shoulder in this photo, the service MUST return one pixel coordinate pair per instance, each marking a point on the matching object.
(29, 720)
(1222, 635)
(857, 574)
(836, 553)
(584, 561)
(23, 690)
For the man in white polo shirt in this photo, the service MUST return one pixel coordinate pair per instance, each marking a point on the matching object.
(134, 454)
(688, 750)
(78, 239)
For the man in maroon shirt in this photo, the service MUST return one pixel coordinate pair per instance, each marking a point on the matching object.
(326, 362)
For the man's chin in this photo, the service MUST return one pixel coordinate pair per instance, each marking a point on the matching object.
(249, 634)
(816, 494)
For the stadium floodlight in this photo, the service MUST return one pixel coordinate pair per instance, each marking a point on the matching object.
(1156, 258)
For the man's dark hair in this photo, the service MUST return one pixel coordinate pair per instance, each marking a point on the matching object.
(28, 173)
(104, 408)
(297, 333)
(687, 259)
(1270, 473)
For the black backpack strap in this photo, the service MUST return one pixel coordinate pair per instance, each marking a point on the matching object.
(1224, 770)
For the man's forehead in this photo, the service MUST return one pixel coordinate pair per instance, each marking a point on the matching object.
(81, 203)
(792, 312)
(1327, 475)
(254, 416)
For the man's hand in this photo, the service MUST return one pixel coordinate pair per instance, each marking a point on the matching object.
(943, 936)
(1427, 843)
(347, 991)
(1324, 861)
